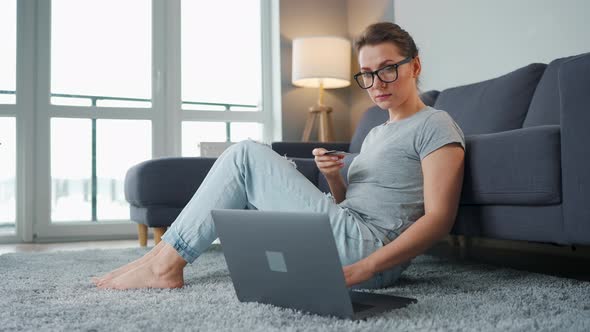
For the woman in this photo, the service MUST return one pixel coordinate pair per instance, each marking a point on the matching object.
(402, 196)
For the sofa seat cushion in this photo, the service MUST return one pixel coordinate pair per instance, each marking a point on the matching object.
(154, 216)
(169, 182)
(494, 105)
(515, 167)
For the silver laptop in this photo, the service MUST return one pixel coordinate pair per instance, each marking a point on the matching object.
(289, 259)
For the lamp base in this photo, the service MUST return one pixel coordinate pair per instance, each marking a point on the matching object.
(325, 127)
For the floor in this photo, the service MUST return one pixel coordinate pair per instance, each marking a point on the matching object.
(561, 263)
(52, 247)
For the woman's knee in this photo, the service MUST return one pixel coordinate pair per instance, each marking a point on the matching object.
(249, 146)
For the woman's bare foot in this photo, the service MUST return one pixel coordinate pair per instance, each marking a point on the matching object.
(164, 270)
(128, 267)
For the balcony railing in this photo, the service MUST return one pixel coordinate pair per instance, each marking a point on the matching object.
(94, 101)
(195, 105)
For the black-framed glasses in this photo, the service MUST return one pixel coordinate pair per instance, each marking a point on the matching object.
(386, 74)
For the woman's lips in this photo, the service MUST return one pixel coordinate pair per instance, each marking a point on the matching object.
(382, 97)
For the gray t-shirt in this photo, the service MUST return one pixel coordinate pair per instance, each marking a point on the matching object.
(385, 184)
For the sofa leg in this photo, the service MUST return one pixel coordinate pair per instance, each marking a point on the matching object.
(158, 232)
(142, 231)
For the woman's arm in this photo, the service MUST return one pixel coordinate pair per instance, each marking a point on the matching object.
(337, 187)
(443, 179)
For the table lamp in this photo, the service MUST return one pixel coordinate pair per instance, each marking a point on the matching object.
(324, 63)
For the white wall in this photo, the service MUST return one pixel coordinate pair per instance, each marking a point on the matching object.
(466, 41)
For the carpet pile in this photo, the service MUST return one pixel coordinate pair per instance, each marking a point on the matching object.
(52, 291)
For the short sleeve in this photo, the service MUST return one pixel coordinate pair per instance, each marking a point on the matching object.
(439, 130)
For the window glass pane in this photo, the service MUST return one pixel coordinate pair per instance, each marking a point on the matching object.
(7, 174)
(101, 48)
(221, 51)
(194, 132)
(8, 53)
(71, 169)
(121, 144)
(240, 131)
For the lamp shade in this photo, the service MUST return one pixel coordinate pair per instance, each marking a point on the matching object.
(321, 60)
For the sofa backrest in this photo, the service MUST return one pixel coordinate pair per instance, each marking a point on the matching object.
(494, 105)
(375, 116)
(544, 108)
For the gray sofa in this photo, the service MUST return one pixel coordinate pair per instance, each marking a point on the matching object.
(527, 172)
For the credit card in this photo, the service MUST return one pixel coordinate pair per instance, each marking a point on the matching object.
(336, 152)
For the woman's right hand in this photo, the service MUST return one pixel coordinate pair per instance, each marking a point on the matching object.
(329, 165)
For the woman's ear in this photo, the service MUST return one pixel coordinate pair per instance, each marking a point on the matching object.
(417, 67)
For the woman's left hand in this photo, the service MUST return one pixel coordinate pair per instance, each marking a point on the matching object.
(358, 272)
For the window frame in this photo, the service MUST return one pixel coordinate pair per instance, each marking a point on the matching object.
(33, 112)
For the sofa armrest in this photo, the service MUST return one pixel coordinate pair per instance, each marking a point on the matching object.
(574, 81)
(515, 167)
(172, 182)
(166, 181)
(308, 168)
(303, 149)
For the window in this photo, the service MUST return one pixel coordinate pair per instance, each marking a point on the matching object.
(104, 85)
(221, 71)
(103, 66)
(196, 132)
(7, 116)
(221, 52)
(8, 53)
(7, 173)
(101, 50)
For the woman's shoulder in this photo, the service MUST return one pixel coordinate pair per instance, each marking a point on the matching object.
(433, 117)
(440, 121)
(430, 111)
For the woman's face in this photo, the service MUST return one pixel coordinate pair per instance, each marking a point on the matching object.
(389, 95)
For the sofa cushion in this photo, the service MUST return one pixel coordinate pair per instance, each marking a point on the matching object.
(167, 182)
(372, 117)
(544, 108)
(515, 167)
(494, 105)
(154, 216)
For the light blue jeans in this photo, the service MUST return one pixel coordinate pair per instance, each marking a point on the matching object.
(250, 175)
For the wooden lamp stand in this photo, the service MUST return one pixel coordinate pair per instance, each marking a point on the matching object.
(321, 111)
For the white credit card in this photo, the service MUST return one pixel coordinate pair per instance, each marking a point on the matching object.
(336, 152)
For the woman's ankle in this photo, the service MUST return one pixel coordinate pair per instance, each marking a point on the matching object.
(167, 261)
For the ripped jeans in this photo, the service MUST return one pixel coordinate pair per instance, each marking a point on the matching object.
(250, 175)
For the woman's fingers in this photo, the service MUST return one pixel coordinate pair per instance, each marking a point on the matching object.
(318, 151)
(329, 163)
(327, 158)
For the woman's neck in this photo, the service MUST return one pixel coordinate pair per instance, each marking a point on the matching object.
(411, 106)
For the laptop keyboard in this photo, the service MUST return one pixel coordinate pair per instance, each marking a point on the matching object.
(358, 307)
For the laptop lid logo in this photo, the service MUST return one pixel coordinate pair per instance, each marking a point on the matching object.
(276, 261)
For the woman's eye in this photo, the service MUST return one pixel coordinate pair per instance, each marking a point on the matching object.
(388, 69)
